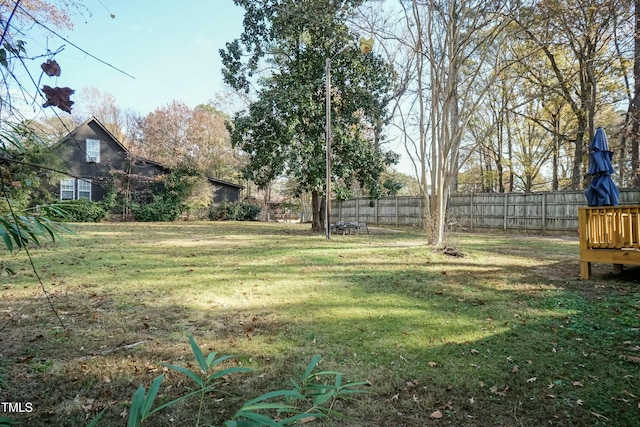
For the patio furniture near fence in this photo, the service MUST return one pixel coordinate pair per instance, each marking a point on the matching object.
(609, 234)
(351, 227)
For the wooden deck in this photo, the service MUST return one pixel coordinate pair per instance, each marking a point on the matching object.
(609, 234)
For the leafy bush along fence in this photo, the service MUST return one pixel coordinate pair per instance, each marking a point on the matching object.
(538, 212)
(235, 211)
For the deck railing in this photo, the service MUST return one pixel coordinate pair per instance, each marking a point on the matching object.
(609, 234)
(610, 227)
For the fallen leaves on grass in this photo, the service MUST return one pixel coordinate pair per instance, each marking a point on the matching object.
(502, 392)
(599, 416)
(436, 415)
(632, 359)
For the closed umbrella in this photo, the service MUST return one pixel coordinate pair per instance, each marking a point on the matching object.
(602, 191)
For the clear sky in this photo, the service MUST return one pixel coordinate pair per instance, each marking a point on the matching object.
(169, 47)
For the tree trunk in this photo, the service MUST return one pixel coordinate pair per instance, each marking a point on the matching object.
(510, 155)
(635, 114)
(578, 154)
(316, 212)
(555, 182)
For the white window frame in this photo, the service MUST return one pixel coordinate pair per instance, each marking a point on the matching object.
(67, 185)
(92, 149)
(84, 189)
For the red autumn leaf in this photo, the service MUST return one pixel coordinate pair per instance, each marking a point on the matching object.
(59, 97)
(51, 68)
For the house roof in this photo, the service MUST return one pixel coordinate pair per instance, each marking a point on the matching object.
(223, 182)
(86, 122)
(123, 148)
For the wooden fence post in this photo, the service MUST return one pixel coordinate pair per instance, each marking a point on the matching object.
(471, 212)
(543, 226)
(397, 209)
(375, 213)
(506, 208)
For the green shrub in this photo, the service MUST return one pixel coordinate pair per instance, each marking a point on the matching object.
(159, 209)
(80, 211)
(170, 197)
(236, 211)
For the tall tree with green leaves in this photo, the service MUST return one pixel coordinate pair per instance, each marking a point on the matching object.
(280, 59)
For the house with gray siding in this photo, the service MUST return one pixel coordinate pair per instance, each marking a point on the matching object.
(92, 154)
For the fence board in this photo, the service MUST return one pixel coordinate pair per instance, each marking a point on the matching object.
(538, 212)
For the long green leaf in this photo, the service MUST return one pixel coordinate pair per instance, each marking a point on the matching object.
(12, 139)
(7, 422)
(263, 419)
(195, 349)
(151, 395)
(7, 240)
(135, 413)
(300, 416)
(94, 422)
(195, 377)
(198, 391)
(272, 394)
(217, 361)
(323, 398)
(314, 362)
(248, 423)
(268, 405)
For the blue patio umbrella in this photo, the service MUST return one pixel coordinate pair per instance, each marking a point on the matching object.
(602, 191)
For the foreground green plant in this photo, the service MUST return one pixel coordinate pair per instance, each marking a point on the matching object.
(7, 422)
(312, 396)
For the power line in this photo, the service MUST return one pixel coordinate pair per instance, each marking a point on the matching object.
(73, 44)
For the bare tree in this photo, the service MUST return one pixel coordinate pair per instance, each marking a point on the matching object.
(460, 42)
(576, 39)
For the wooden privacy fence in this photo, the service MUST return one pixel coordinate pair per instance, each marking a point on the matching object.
(535, 212)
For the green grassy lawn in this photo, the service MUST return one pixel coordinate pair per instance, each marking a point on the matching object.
(508, 335)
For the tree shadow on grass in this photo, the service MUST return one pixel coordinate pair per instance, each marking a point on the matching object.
(484, 343)
(523, 354)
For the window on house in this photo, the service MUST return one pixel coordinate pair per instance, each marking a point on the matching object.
(84, 189)
(67, 189)
(93, 151)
